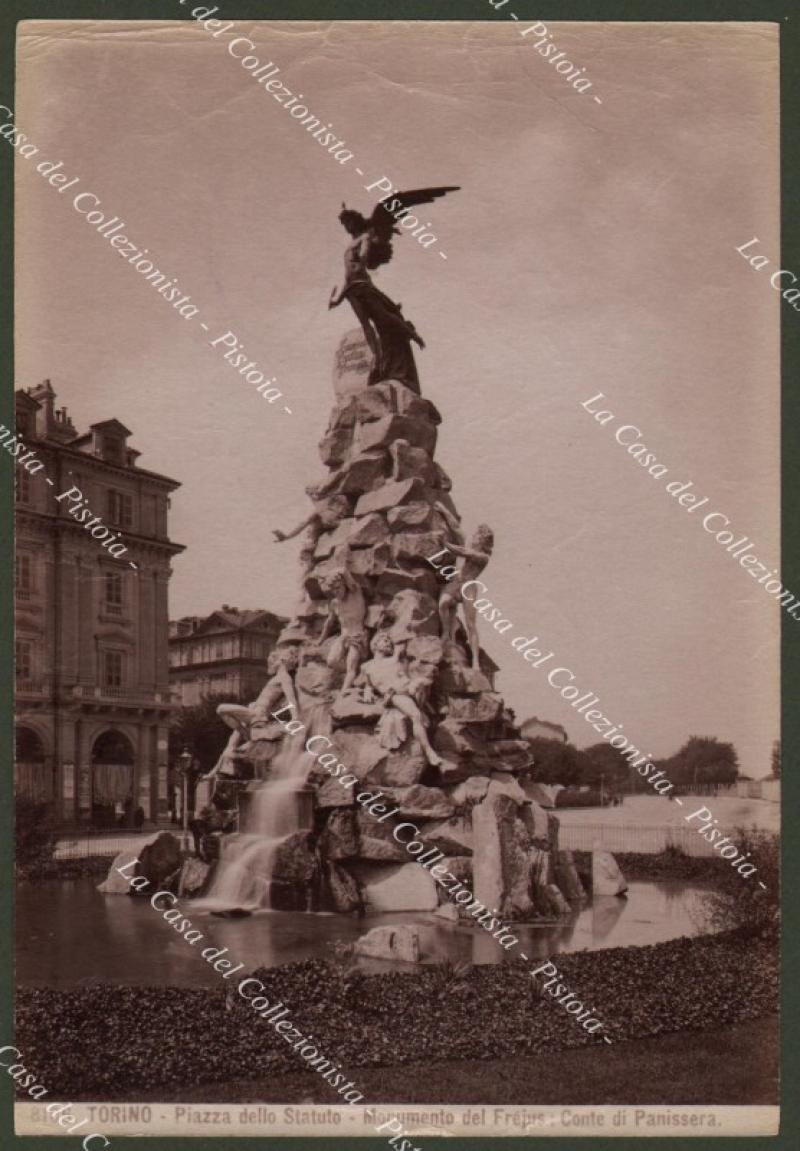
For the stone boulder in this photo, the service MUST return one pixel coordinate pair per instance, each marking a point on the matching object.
(501, 847)
(511, 754)
(557, 900)
(361, 473)
(359, 750)
(448, 912)
(193, 878)
(507, 785)
(381, 433)
(114, 883)
(389, 495)
(330, 793)
(400, 942)
(416, 516)
(607, 879)
(568, 879)
(335, 446)
(455, 741)
(350, 709)
(343, 888)
(160, 862)
(412, 613)
(294, 874)
(420, 802)
(462, 868)
(364, 532)
(450, 772)
(402, 768)
(416, 546)
(404, 888)
(553, 825)
(409, 461)
(294, 861)
(339, 838)
(452, 836)
(540, 793)
(370, 561)
(393, 397)
(469, 792)
(483, 708)
(461, 680)
(314, 678)
(376, 842)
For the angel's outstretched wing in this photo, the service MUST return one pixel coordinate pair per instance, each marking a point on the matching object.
(359, 223)
(383, 218)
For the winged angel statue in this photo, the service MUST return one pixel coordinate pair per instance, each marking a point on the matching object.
(387, 331)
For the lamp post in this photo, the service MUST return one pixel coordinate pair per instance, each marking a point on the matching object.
(185, 761)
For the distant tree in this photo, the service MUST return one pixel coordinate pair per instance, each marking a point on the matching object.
(703, 759)
(741, 903)
(555, 762)
(776, 759)
(601, 759)
(34, 832)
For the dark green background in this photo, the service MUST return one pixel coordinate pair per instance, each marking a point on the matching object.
(788, 17)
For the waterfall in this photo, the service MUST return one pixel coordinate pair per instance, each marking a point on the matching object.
(243, 876)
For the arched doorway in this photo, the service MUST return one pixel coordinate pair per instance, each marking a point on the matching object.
(112, 779)
(31, 778)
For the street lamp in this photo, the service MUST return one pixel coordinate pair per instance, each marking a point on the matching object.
(185, 761)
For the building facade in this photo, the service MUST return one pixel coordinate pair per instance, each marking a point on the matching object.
(91, 665)
(224, 653)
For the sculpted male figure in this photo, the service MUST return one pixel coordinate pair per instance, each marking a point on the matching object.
(282, 665)
(326, 515)
(348, 607)
(384, 676)
(475, 558)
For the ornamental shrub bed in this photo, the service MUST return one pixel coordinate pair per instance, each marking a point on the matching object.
(661, 865)
(66, 868)
(107, 1041)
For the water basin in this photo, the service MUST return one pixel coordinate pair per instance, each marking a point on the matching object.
(68, 934)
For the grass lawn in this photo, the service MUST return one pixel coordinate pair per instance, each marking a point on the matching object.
(734, 1065)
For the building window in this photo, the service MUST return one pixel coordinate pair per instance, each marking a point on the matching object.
(120, 508)
(114, 449)
(24, 423)
(219, 650)
(113, 593)
(23, 575)
(112, 669)
(23, 659)
(22, 487)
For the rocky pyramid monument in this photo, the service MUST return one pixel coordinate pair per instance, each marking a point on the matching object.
(380, 659)
(381, 671)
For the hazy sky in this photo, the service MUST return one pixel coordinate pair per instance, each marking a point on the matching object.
(591, 248)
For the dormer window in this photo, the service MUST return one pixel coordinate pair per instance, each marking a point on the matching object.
(113, 449)
(109, 441)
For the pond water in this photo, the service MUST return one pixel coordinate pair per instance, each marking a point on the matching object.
(68, 934)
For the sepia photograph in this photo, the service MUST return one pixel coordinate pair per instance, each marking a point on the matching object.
(398, 594)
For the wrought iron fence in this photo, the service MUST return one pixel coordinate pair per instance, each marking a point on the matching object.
(632, 837)
(100, 843)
